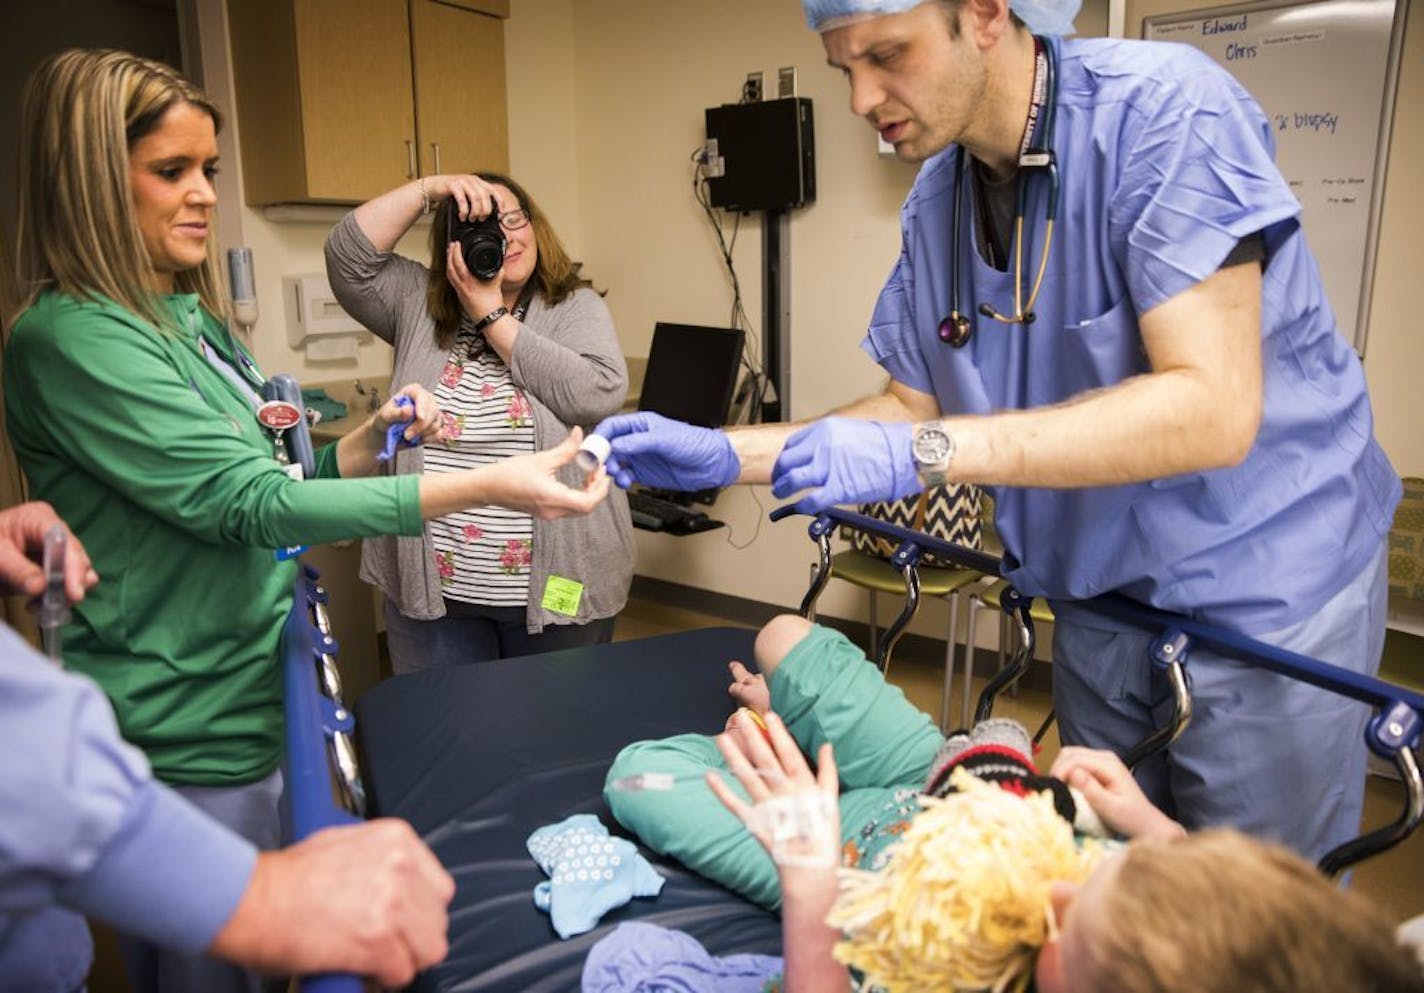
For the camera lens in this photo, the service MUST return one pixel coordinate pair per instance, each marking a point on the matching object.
(482, 243)
(485, 256)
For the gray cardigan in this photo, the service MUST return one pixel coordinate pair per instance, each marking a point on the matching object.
(569, 364)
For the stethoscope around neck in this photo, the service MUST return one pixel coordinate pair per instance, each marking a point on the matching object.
(1036, 155)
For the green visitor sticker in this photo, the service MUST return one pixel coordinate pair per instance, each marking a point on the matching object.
(562, 596)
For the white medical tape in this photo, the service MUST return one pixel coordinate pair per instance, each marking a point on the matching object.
(798, 827)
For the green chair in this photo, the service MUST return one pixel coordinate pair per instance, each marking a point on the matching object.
(877, 576)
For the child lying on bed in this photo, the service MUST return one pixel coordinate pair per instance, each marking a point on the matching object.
(985, 889)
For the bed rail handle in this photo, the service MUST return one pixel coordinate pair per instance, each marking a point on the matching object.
(1169, 653)
(1393, 734)
(820, 532)
(1016, 607)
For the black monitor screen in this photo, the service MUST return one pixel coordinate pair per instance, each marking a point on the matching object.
(691, 373)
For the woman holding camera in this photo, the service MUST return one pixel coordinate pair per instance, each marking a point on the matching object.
(514, 360)
(134, 412)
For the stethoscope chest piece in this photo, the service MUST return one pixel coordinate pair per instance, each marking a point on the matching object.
(954, 330)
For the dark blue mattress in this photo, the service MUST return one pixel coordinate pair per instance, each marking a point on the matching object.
(476, 758)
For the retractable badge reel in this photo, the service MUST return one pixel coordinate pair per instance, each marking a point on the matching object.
(280, 416)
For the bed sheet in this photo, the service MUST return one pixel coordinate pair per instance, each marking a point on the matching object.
(477, 757)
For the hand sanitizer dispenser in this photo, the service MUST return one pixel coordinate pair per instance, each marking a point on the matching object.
(315, 321)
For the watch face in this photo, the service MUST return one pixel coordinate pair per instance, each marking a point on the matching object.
(932, 446)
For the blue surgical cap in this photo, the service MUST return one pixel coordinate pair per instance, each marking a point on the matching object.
(1041, 16)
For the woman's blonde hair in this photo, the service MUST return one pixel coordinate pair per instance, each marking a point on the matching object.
(555, 275)
(82, 112)
(1219, 912)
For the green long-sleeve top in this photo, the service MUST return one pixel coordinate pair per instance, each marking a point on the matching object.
(156, 460)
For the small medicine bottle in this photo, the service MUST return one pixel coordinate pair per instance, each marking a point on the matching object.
(592, 453)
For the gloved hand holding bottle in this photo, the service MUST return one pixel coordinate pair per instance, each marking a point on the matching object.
(666, 454)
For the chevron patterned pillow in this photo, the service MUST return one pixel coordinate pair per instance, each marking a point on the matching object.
(950, 513)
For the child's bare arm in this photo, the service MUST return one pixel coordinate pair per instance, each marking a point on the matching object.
(774, 773)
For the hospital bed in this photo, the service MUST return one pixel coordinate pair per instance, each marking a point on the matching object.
(477, 757)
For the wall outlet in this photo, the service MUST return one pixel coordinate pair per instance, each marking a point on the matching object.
(713, 165)
(785, 82)
(752, 88)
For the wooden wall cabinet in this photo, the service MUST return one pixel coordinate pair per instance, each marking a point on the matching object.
(341, 100)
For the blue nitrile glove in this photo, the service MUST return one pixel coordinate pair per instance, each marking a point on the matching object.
(845, 460)
(666, 454)
(395, 433)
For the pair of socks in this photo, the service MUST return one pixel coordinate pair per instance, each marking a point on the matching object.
(590, 872)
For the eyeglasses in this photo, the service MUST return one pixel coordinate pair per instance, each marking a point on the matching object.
(513, 220)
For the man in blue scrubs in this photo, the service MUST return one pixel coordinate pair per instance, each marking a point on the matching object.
(1179, 421)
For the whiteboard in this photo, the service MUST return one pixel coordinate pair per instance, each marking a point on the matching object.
(1324, 72)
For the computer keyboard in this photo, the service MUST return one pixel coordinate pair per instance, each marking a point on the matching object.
(654, 513)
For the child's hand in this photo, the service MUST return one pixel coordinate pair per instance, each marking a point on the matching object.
(794, 811)
(1113, 794)
(749, 689)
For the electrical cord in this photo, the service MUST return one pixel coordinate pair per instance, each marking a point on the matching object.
(751, 359)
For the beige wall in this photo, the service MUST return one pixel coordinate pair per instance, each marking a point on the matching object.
(606, 101)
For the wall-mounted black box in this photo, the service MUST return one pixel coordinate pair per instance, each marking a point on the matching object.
(768, 153)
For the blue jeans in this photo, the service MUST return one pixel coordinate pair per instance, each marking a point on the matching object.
(470, 632)
(253, 811)
(1270, 755)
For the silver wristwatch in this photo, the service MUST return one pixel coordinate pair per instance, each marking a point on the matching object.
(933, 449)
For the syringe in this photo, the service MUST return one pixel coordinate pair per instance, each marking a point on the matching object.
(54, 601)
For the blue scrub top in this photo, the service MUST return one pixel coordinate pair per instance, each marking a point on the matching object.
(1165, 163)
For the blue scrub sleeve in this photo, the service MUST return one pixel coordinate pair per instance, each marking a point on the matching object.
(1200, 176)
(85, 825)
(891, 339)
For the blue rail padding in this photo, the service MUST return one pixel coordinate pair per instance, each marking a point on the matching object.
(1357, 686)
(310, 791)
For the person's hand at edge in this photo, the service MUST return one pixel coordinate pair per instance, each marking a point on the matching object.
(22, 532)
(424, 421)
(1108, 786)
(369, 899)
(845, 460)
(666, 454)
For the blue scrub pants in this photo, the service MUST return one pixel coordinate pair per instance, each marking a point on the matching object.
(1270, 755)
(253, 811)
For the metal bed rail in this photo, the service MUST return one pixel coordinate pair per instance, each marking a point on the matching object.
(322, 780)
(1393, 733)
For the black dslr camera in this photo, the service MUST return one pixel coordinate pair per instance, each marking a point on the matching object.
(482, 242)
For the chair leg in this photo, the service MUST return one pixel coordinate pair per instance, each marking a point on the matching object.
(874, 629)
(951, 643)
(966, 707)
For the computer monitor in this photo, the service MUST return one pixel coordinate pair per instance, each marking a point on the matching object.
(692, 372)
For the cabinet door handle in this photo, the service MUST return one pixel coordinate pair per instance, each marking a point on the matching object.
(410, 158)
(435, 147)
